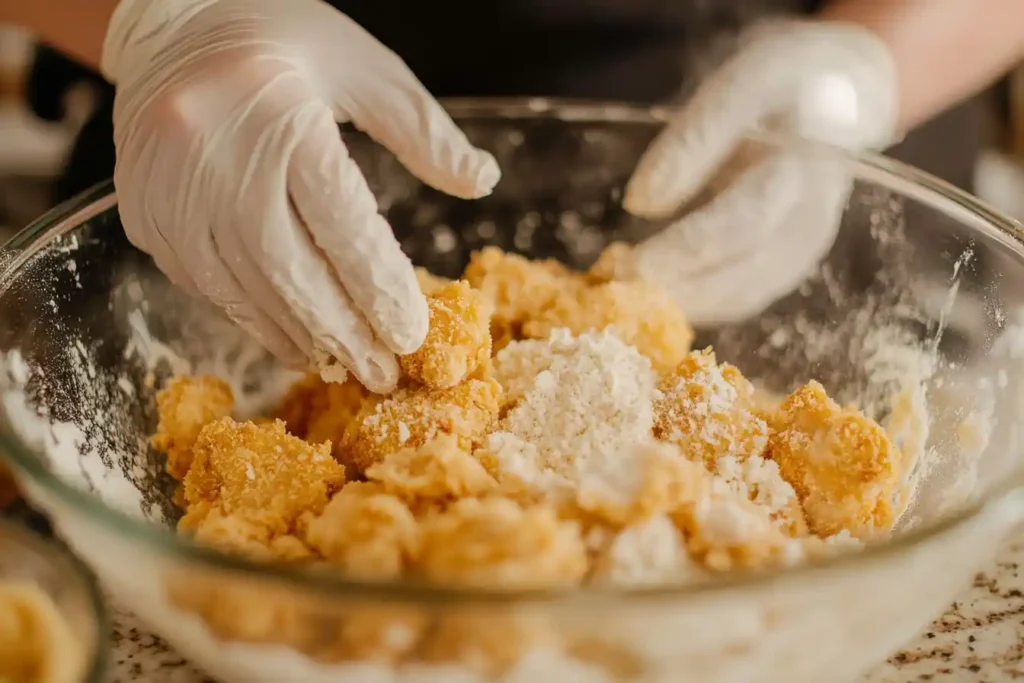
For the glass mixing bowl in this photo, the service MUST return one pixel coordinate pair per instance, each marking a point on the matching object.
(27, 559)
(916, 303)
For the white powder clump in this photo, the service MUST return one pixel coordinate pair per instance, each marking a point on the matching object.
(586, 410)
(755, 479)
(649, 553)
(725, 521)
(518, 364)
(844, 540)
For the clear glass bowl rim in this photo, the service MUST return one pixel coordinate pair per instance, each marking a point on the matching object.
(905, 179)
(96, 665)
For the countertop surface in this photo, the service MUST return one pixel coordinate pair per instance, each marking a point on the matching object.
(980, 638)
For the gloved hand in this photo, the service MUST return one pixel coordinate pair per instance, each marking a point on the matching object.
(772, 217)
(231, 172)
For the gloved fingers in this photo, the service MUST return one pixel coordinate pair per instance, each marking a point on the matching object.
(761, 271)
(264, 331)
(299, 273)
(167, 261)
(739, 289)
(393, 107)
(334, 203)
(283, 250)
(215, 279)
(172, 222)
(701, 137)
(142, 227)
(736, 221)
(230, 245)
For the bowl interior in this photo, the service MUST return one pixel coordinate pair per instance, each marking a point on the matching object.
(908, 303)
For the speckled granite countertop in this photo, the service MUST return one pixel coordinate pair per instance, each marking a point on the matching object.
(980, 639)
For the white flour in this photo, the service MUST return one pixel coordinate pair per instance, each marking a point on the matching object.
(756, 479)
(587, 407)
(649, 553)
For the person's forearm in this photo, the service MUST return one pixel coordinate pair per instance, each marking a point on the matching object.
(75, 27)
(944, 50)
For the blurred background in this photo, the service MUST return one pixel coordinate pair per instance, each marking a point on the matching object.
(32, 149)
(37, 130)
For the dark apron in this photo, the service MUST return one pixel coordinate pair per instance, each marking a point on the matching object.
(628, 50)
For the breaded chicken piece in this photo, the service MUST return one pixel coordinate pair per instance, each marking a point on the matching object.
(428, 281)
(410, 417)
(497, 543)
(708, 410)
(303, 398)
(723, 528)
(365, 532)
(260, 475)
(184, 407)
(518, 288)
(843, 465)
(458, 343)
(438, 470)
(318, 411)
(237, 535)
(641, 314)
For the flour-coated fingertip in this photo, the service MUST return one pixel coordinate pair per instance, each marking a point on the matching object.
(639, 200)
(488, 173)
(633, 200)
(377, 372)
(653, 196)
(379, 375)
(399, 315)
(409, 336)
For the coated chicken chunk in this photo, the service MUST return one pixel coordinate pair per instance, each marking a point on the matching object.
(458, 343)
(518, 288)
(709, 411)
(184, 407)
(498, 543)
(843, 465)
(642, 315)
(259, 477)
(319, 411)
(410, 417)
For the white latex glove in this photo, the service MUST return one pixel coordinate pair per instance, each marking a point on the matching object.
(231, 172)
(772, 216)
